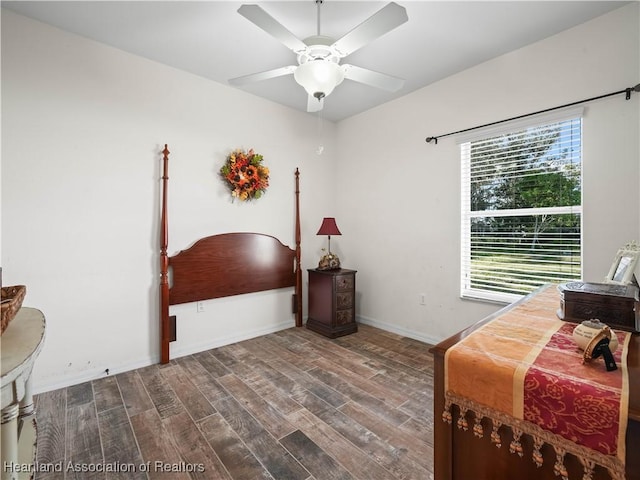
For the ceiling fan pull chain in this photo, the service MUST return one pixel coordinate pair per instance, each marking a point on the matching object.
(318, 3)
(320, 131)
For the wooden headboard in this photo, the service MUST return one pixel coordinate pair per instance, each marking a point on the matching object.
(225, 265)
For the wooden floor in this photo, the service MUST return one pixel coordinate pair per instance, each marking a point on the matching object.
(289, 405)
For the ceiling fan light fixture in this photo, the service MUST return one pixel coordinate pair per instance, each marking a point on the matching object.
(319, 70)
(319, 77)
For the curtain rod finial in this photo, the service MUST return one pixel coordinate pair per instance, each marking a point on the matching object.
(432, 139)
(637, 88)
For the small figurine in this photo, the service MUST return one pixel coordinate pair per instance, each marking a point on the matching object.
(596, 339)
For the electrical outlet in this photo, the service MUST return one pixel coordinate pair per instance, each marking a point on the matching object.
(200, 307)
(422, 298)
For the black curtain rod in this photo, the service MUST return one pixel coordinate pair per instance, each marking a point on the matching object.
(626, 91)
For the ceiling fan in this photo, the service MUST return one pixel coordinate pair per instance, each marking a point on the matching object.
(319, 70)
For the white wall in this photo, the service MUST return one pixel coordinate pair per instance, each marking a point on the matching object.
(83, 125)
(401, 196)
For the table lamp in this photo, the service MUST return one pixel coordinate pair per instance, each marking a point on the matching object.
(329, 261)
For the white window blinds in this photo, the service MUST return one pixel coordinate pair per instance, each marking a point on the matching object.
(521, 209)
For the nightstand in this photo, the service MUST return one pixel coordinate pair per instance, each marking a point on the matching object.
(332, 311)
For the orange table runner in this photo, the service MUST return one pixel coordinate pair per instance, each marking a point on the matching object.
(523, 369)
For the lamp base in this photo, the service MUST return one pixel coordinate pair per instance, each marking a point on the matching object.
(330, 261)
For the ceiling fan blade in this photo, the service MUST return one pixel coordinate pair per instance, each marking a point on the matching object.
(381, 22)
(258, 77)
(266, 22)
(314, 104)
(375, 79)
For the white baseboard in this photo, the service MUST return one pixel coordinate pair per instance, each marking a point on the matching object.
(228, 340)
(389, 327)
(75, 378)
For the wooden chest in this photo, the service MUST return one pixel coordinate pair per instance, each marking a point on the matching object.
(461, 455)
(615, 305)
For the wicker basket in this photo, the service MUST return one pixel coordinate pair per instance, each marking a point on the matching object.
(11, 302)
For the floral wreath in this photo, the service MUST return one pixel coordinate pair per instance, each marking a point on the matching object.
(245, 174)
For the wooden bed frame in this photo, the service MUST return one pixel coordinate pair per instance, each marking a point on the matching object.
(224, 265)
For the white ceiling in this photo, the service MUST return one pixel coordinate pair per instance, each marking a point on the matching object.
(210, 39)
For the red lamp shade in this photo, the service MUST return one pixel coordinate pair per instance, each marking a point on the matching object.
(328, 227)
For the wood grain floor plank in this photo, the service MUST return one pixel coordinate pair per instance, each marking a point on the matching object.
(416, 448)
(387, 455)
(355, 394)
(200, 461)
(264, 446)
(403, 382)
(55, 473)
(314, 459)
(162, 395)
(413, 355)
(352, 458)
(119, 444)
(420, 400)
(80, 394)
(297, 341)
(270, 418)
(387, 348)
(263, 377)
(51, 418)
(380, 355)
(359, 406)
(285, 351)
(213, 391)
(249, 354)
(106, 393)
(389, 395)
(191, 397)
(305, 382)
(270, 383)
(134, 395)
(273, 396)
(196, 371)
(235, 365)
(417, 408)
(233, 453)
(156, 446)
(419, 427)
(415, 349)
(83, 443)
(356, 363)
(212, 364)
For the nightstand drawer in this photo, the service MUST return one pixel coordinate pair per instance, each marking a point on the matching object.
(344, 300)
(344, 316)
(344, 283)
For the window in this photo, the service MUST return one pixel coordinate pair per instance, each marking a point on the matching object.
(522, 208)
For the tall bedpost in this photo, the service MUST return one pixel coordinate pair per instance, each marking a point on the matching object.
(298, 268)
(164, 264)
